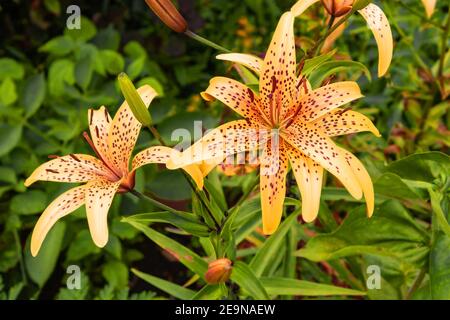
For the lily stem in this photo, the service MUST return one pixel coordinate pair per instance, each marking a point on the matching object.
(207, 42)
(416, 283)
(331, 28)
(154, 202)
(20, 255)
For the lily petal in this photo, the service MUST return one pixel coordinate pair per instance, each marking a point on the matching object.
(341, 121)
(161, 155)
(273, 170)
(321, 149)
(327, 98)
(278, 78)
(125, 130)
(429, 6)
(235, 95)
(364, 180)
(66, 203)
(70, 168)
(379, 24)
(99, 196)
(309, 175)
(300, 6)
(99, 125)
(252, 62)
(228, 139)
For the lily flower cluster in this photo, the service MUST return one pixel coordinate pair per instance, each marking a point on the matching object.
(290, 123)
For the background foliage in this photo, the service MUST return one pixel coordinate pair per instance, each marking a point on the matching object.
(50, 76)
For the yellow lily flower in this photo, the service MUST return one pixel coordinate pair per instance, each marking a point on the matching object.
(288, 114)
(377, 22)
(429, 5)
(113, 141)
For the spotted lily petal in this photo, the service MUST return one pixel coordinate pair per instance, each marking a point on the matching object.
(252, 62)
(125, 130)
(379, 24)
(66, 203)
(363, 178)
(341, 121)
(327, 98)
(278, 78)
(235, 95)
(161, 155)
(309, 175)
(99, 125)
(70, 168)
(274, 164)
(99, 195)
(429, 6)
(228, 139)
(321, 149)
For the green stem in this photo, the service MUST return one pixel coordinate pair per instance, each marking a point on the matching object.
(156, 134)
(245, 194)
(155, 202)
(315, 49)
(19, 254)
(444, 50)
(207, 42)
(416, 283)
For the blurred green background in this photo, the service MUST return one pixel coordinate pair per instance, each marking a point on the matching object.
(50, 76)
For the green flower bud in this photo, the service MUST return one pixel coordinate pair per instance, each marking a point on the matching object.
(361, 4)
(133, 99)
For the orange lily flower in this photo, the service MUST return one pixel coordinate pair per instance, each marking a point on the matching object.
(113, 141)
(288, 114)
(377, 22)
(429, 5)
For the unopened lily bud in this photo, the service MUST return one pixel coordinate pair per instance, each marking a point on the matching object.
(337, 8)
(361, 4)
(134, 100)
(219, 271)
(166, 11)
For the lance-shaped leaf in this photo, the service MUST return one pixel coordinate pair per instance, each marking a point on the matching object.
(186, 256)
(243, 275)
(285, 286)
(185, 221)
(166, 286)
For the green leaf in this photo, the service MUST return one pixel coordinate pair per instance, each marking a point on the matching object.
(112, 61)
(243, 275)
(421, 166)
(33, 94)
(53, 6)
(186, 222)
(83, 72)
(391, 185)
(29, 202)
(170, 185)
(8, 92)
(208, 292)
(81, 246)
(10, 68)
(166, 286)
(11, 135)
(187, 257)
(40, 268)
(314, 63)
(441, 218)
(271, 247)
(135, 68)
(86, 32)
(116, 273)
(61, 72)
(390, 232)
(58, 46)
(332, 67)
(286, 286)
(440, 268)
